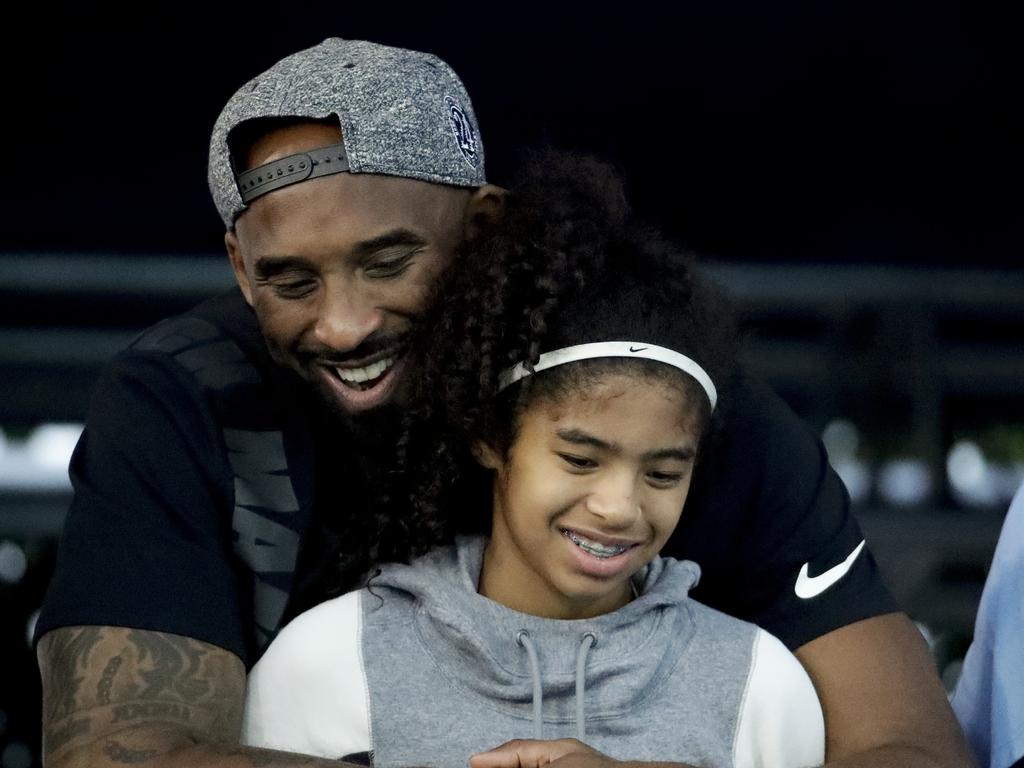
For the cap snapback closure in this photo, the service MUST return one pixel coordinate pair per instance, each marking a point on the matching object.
(292, 169)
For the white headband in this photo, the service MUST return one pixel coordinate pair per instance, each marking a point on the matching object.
(613, 349)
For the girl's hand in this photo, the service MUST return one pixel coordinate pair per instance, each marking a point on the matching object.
(531, 753)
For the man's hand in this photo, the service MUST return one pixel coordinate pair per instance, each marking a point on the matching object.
(115, 696)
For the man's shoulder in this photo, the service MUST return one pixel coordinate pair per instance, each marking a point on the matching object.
(756, 411)
(203, 374)
(225, 317)
(762, 458)
(216, 346)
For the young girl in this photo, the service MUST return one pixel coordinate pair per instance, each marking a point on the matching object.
(575, 365)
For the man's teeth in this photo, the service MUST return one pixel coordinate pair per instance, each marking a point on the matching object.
(366, 373)
(594, 548)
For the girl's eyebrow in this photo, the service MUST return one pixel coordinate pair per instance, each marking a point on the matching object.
(579, 437)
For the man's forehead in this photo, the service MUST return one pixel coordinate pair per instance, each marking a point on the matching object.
(347, 212)
(282, 141)
(360, 196)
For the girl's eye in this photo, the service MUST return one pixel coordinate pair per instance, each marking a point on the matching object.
(578, 462)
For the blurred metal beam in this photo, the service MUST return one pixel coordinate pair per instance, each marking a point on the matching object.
(149, 275)
(788, 285)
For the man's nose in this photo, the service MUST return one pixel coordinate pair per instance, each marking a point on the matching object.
(346, 317)
(614, 499)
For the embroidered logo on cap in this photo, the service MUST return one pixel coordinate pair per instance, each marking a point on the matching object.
(462, 129)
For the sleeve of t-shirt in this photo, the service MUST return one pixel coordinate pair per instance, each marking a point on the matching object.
(769, 522)
(147, 541)
(780, 722)
(308, 693)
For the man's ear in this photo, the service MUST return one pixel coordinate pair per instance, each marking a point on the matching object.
(238, 264)
(486, 456)
(485, 208)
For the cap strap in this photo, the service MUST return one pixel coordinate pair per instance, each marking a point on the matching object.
(613, 349)
(291, 170)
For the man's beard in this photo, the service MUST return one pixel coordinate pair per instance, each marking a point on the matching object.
(378, 425)
(379, 428)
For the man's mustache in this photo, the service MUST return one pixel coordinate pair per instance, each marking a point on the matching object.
(368, 348)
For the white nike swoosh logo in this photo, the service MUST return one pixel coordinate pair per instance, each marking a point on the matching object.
(808, 586)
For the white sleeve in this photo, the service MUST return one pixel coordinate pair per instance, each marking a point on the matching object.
(781, 724)
(308, 692)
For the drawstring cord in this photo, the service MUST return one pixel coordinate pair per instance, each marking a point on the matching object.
(523, 638)
(588, 641)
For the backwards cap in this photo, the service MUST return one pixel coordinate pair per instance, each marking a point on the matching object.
(402, 113)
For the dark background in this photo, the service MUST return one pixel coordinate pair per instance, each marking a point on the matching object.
(796, 131)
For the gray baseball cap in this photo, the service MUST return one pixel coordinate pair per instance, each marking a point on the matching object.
(402, 113)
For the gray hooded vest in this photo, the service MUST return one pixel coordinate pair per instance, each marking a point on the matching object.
(419, 669)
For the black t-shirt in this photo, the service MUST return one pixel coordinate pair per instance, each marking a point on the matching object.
(203, 466)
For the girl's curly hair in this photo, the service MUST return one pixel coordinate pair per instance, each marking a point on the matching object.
(565, 265)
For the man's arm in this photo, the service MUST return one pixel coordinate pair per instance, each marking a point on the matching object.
(115, 697)
(882, 699)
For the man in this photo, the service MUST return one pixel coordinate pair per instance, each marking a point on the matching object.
(346, 176)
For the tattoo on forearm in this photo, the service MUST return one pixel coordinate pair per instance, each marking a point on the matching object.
(101, 678)
(107, 681)
(58, 737)
(121, 754)
(176, 661)
(67, 654)
(156, 710)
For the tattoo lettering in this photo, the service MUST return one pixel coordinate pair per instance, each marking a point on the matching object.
(107, 681)
(157, 710)
(58, 737)
(121, 754)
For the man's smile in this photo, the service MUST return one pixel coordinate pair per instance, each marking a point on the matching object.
(366, 372)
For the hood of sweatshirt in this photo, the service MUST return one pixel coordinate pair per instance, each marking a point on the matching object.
(606, 665)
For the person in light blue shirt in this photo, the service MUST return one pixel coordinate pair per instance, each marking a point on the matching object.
(989, 698)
